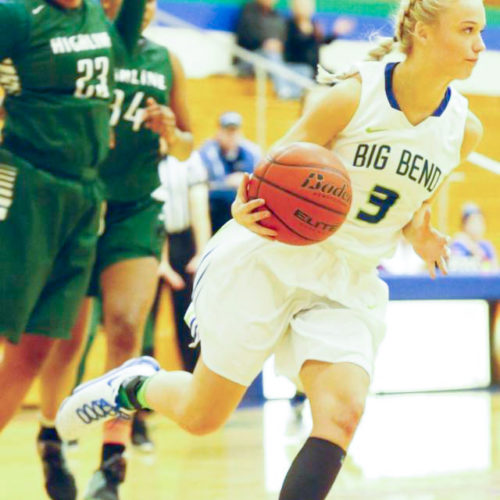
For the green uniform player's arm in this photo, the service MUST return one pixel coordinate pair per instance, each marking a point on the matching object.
(14, 28)
(183, 146)
(129, 21)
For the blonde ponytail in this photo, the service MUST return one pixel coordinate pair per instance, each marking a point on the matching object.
(385, 46)
(409, 13)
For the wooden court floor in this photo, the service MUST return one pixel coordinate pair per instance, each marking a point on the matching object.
(408, 447)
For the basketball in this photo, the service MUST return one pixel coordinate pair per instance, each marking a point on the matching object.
(307, 190)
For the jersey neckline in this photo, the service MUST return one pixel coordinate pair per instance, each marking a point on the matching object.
(389, 72)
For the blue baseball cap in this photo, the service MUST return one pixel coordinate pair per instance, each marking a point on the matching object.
(230, 119)
(469, 209)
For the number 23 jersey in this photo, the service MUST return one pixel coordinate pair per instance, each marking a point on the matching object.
(394, 166)
(58, 119)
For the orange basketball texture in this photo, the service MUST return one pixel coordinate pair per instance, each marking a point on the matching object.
(307, 190)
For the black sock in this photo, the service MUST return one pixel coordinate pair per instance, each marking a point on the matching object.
(313, 471)
(110, 449)
(48, 434)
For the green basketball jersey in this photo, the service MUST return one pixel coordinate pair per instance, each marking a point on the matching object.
(130, 172)
(58, 116)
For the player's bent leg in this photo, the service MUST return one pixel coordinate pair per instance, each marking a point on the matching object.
(200, 403)
(337, 393)
(128, 289)
(20, 364)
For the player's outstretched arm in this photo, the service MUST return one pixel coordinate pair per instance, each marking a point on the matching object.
(428, 242)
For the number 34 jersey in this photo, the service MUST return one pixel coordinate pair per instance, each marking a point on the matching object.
(130, 171)
(394, 166)
(58, 117)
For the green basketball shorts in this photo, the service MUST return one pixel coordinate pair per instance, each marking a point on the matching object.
(131, 230)
(48, 234)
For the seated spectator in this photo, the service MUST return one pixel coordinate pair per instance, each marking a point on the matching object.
(226, 158)
(262, 29)
(305, 36)
(469, 250)
(229, 155)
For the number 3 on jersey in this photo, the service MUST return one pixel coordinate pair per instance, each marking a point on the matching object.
(382, 198)
(134, 113)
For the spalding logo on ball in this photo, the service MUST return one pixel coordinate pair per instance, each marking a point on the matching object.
(307, 190)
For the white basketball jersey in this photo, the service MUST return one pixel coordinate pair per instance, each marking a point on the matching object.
(394, 166)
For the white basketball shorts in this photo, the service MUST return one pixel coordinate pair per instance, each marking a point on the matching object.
(253, 298)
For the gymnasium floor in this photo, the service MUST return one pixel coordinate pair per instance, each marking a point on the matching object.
(409, 447)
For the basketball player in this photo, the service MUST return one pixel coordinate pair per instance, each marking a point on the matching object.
(149, 103)
(60, 55)
(320, 308)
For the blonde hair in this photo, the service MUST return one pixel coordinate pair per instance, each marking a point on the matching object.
(409, 13)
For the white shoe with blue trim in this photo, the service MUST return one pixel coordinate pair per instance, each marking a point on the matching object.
(94, 402)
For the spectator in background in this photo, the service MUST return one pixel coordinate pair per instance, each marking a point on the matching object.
(469, 250)
(262, 29)
(227, 157)
(186, 216)
(305, 35)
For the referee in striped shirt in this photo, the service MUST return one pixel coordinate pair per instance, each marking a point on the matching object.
(186, 216)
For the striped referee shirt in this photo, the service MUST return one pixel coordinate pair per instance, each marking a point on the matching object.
(177, 178)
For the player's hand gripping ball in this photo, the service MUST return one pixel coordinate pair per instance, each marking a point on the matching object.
(306, 189)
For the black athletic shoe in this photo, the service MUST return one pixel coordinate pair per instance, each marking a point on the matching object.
(59, 482)
(140, 437)
(105, 481)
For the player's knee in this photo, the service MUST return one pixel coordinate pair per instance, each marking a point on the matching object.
(30, 362)
(200, 425)
(341, 415)
(347, 415)
(123, 332)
